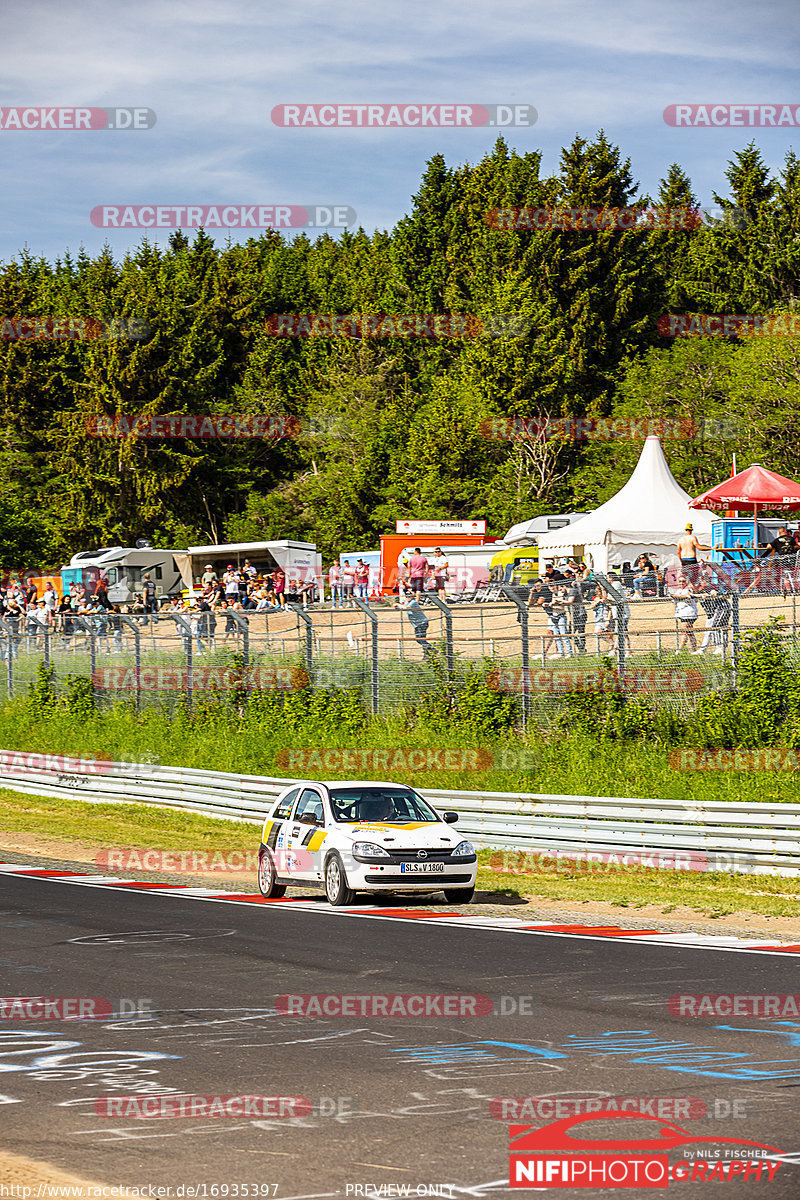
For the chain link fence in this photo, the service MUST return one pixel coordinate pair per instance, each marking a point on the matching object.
(639, 645)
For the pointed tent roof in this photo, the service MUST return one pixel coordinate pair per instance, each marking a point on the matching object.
(652, 507)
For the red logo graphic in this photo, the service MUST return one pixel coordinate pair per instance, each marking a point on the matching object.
(607, 1163)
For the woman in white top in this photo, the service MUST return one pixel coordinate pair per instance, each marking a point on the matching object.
(685, 612)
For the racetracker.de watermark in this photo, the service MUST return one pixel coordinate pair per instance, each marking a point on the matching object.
(70, 1008)
(15, 762)
(597, 218)
(71, 329)
(224, 426)
(402, 116)
(548, 1108)
(223, 216)
(396, 1004)
(649, 681)
(602, 429)
(204, 426)
(201, 679)
(193, 1106)
(570, 862)
(400, 759)
(76, 118)
(777, 1006)
(182, 862)
(719, 116)
(728, 325)
(774, 759)
(393, 325)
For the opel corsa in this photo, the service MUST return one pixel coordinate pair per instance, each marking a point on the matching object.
(363, 837)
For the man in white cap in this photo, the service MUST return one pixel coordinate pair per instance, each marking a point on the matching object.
(208, 577)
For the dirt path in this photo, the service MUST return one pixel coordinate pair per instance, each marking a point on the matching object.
(22, 1177)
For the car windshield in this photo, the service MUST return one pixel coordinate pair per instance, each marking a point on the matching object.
(379, 804)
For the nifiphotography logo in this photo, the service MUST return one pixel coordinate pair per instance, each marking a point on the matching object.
(553, 1157)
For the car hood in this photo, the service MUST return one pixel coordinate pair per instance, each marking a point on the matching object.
(412, 835)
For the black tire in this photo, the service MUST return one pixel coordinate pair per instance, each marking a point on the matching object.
(337, 889)
(459, 895)
(267, 877)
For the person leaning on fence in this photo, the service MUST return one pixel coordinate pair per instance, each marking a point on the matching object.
(418, 621)
(576, 614)
(557, 621)
(540, 596)
(601, 607)
(686, 612)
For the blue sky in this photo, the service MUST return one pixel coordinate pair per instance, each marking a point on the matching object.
(212, 72)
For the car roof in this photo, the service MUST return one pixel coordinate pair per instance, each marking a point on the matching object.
(348, 783)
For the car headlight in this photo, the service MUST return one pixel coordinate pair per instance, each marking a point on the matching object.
(369, 850)
(464, 850)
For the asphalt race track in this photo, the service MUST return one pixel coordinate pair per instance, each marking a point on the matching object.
(399, 1105)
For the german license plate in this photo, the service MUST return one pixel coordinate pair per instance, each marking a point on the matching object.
(418, 868)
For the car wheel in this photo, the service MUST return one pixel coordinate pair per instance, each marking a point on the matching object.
(336, 886)
(267, 878)
(459, 895)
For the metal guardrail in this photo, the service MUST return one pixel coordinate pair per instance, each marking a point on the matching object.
(712, 835)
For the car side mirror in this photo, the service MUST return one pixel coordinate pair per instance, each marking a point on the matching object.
(450, 818)
(307, 819)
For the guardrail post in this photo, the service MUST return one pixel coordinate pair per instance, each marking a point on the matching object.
(137, 653)
(10, 647)
(618, 600)
(511, 595)
(186, 626)
(374, 621)
(309, 637)
(448, 634)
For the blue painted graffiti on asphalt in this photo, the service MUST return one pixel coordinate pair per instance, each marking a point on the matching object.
(638, 1046)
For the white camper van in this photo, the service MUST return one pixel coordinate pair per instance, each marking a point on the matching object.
(124, 568)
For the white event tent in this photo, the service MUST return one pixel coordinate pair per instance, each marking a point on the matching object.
(647, 516)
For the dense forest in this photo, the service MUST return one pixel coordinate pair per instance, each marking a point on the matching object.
(397, 426)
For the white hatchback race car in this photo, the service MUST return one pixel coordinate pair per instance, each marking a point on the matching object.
(363, 837)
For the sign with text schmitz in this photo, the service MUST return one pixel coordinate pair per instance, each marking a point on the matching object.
(440, 527)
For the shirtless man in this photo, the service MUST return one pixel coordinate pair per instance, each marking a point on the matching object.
(688, 547)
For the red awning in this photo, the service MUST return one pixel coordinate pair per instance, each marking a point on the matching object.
(755, 488)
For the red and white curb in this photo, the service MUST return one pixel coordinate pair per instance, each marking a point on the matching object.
(704, 941)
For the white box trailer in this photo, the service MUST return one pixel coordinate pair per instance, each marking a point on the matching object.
(298, 560)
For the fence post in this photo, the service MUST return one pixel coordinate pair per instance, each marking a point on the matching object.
(184, 624)
(10, 645)
(374, 621)
(735, 639)
(309, 636)
(137, 653)
(510, 593)
(244, 625)
(618, 600)
(448, 633)
(88, 624)
(46, 633)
